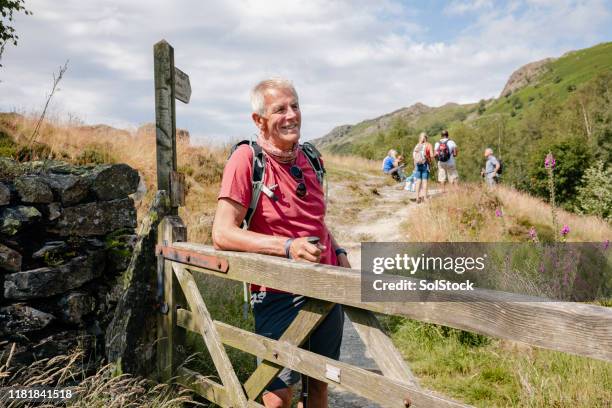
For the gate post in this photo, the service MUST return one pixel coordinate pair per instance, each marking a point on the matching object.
(170, 338)
(165, 113)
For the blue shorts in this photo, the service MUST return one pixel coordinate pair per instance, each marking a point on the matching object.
(422, 171)
(274, 312)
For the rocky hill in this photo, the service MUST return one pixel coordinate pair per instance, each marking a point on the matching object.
(525, 75)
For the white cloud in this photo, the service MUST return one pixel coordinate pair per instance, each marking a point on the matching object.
(349, 60)
(458, 7)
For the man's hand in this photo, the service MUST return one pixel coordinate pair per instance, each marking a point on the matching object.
(343, 261)
(302, 250)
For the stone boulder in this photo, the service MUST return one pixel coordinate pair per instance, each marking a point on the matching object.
(74, 306)
(32, 189)
(14, 219)
(5, 194)
(21, 318)
(45, 282)
(54, 210)
(10, 260)
(96, 218)
(130, 337)
(70, 189)
(113, 181)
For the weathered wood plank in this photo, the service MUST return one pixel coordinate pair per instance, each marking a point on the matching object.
(207, 388)
(569, 327)
(384, 391)
(177, 189)
(206, 328)
(306, 321)
(170, 340)
(165, 113)
(380, 346)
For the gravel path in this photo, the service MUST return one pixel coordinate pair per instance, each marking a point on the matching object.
(377, 222)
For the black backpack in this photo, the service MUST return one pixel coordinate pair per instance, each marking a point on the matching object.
(501, 167)
(259, 167)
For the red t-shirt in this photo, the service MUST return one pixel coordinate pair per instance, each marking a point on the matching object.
(290, 216)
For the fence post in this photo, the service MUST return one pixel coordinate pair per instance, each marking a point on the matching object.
(170, 338)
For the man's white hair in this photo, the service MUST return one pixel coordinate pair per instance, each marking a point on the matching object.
(488, 150)
(258, 92)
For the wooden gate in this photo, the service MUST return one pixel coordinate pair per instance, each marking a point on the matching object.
(569, 327)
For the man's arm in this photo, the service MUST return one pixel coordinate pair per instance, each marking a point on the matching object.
(227, 235)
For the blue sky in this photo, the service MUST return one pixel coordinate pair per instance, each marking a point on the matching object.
(350, 60)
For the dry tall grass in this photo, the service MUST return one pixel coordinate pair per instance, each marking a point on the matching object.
(202, 165)
(352, 163)
(105, 389)
(471, 212)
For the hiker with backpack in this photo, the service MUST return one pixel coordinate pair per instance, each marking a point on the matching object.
(492, 169)
(421, 155)
(274, 187)
(445, 153)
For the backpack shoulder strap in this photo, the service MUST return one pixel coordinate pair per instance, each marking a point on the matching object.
(259, 166)
(314, 158)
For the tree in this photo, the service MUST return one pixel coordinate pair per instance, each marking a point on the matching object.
(595, 194)
(7, 31)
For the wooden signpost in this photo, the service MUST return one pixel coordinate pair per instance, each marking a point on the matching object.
(170, 83)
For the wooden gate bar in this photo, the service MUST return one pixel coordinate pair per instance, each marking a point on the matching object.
(213, 263)
(206, 328)
(379, 345)
(204, 386)
(207, 388)
(382, 390)
(307, 320)
(564, 326)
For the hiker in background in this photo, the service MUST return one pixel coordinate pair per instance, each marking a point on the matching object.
(445, 153)
(391, 167)
(492, 167)
(400, 163)
(422, 155)
(289, 222)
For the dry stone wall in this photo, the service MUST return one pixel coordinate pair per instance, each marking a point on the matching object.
(66, 237)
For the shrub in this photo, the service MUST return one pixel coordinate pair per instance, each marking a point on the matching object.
(8, 147)
(571, 156)
(595, 193)
(95, 154)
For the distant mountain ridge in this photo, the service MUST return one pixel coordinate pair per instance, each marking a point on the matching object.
(559, 75)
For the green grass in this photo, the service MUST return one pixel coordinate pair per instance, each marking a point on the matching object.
(493, 373)
(224, 301)
(571, 70)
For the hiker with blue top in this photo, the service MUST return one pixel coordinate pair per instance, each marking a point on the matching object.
(392, 167)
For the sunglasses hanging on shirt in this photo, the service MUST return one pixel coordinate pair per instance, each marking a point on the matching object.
(298, 175)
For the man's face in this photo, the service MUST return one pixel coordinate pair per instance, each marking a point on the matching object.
(282, 118)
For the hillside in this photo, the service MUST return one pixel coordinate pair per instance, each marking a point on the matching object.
(559, 76)
(562, 105)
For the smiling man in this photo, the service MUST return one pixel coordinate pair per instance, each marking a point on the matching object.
(291, 210)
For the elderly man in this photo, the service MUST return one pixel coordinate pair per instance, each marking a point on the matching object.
(491, 168)
(280, 226)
